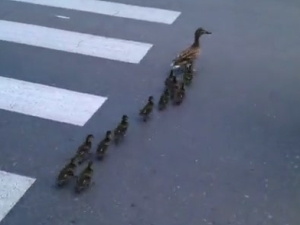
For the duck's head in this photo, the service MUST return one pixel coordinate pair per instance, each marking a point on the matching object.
(124, 117)
(200, 31)
(150, 99)
(89, 138)
(108, 133)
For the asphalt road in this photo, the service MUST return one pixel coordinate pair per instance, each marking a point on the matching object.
(229, 155)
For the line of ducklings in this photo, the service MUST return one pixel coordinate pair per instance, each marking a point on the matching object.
(174, 91)
(83, 153)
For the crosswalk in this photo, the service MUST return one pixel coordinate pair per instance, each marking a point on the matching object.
(58, 104)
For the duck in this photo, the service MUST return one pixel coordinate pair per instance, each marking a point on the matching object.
(191, 53)
(121, 129)
(103, 145)
(66, 173)
(148, 108)
(188, 75)
(84, 149)
(164, 100)
(173, 87)
(180, 94)
(169, 79)
(85, 178)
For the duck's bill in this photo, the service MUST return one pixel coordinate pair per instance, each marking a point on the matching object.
(207, 32)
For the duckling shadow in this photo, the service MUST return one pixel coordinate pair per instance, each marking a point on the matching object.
(144, 119)
(61, 187)
(80, 192)
(119, 140)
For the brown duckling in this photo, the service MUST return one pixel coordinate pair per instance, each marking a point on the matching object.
(148, 108)
(121, 129)
(85, 178)
(173, 87)
(188, 75)
(169, 79)
(103, 145)
(164, 100)
(66, 173)
(191, 53)
(84, 150)
(180, 94)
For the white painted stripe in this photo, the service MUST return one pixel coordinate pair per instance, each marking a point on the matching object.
(86, 44)
(48, 102)
(62, 17)
(112, 9)
(12, 188)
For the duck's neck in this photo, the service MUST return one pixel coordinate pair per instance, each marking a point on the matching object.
(196, 41)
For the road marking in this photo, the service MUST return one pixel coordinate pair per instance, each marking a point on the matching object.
(48, 102)
(112, 9)
(80, 43)
(62, 17)
(12, 188)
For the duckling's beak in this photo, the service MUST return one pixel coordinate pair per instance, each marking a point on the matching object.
(207, 32)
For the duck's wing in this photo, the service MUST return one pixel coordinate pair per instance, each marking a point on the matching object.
(186, 55)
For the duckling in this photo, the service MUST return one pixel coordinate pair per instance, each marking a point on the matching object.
(148, 108)
(84, 150)
(188, 75)
(191, 53)
(173, 87)
(121, 129)
(168, 81)
(164, 100)
(103, 145)
(85, 178)
(66, 173)
(180, 94)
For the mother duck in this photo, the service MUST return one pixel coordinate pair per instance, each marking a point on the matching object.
(188, 55)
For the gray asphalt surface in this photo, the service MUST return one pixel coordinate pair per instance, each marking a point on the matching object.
(229, 155)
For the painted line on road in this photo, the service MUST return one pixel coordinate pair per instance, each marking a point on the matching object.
(62, 17)
(12, 188)
(112, 9)
(48, 102)
(80, 43)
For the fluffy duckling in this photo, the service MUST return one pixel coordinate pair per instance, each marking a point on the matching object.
(85, 178)
(173, 87)
(148, 108)
(103, 145)
(188, 75)
(180, 94)
(168, 81)
(164, 100)
(121, 129)
(191, 53)
(66, 173)
(84, 150)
